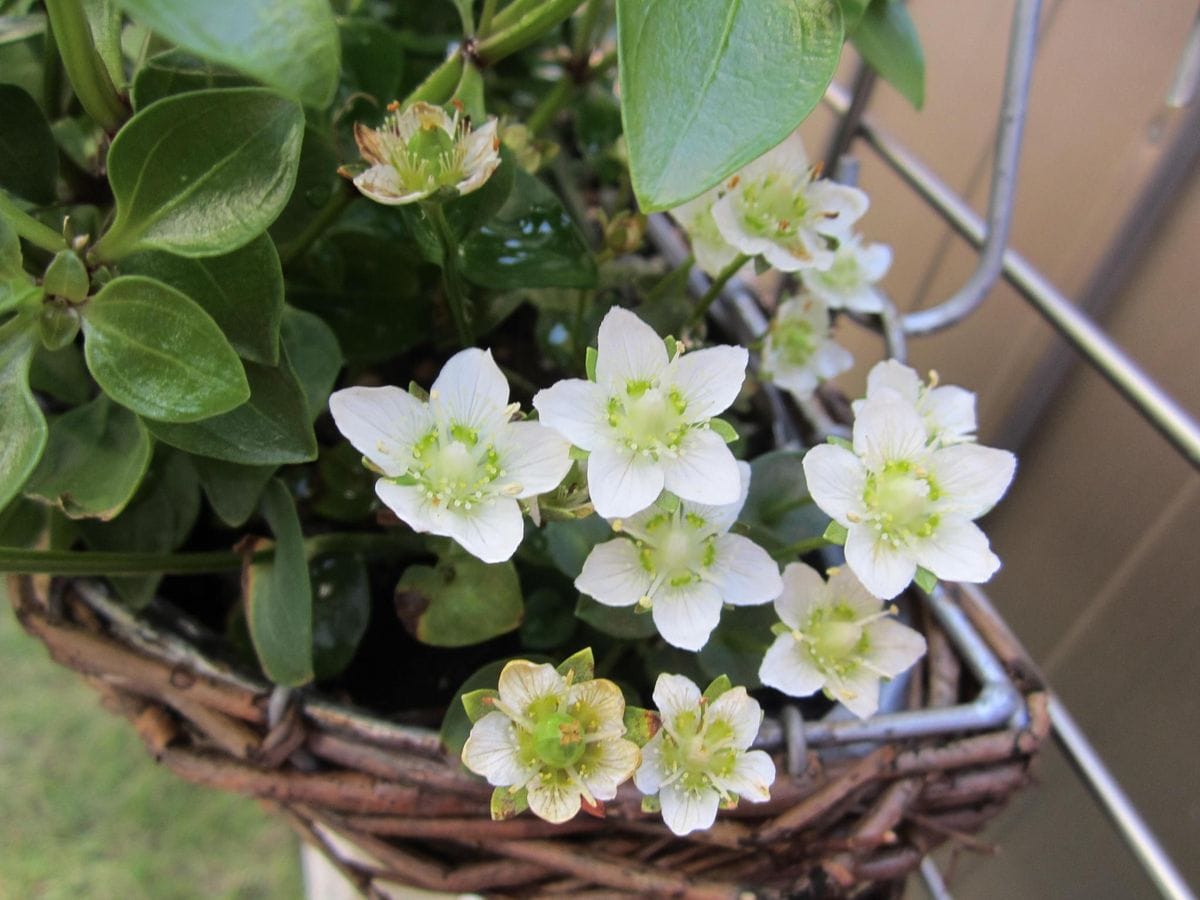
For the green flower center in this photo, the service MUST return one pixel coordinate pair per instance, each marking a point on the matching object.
(454, 468)
(796, 341)
(901, 502)
(773, 206)
(835, 639)
(647, 419)
(558, 740)
(676, 548)
(432, 157)
(844, 275)
(695, 751)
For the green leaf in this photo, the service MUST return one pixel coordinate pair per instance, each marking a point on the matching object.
(313, 351)
(22, 522)
(291, 45)
(178, 72)
(242, 291)
(579, 666)
(345, 489)
(529, 242)
(468, 705)
(778, 508)
(61, 374)
(94, 461)
(372, 59)
(104, 19)
(316, 181)
(641, 724)
(589, 361)
(459, 602)
(278, 596)
(835, 533)
(272, 428)
(10, 256)
(852, 13)
(156, 351)
(738, 644)
(568, 543)
(341, 610)
(202, 174)
(479, 703)
(887, 39)
(709, 85)
(28, 154)
(719, 685)
(232, 490)
(508, 803)
(24, 425)
(727, 432)
(925, 580)
(549, 619)
(618, 621)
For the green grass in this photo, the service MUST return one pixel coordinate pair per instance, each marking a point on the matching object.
(85, 812)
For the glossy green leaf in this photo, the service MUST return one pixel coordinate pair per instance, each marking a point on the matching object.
(579, 666)
(341, 610)
(313, 351)
(291, 45)
(278, 596)
(61, 374)
(28, 154)
(531, 241)
(617, 621)
(778, 508)
(10, 256)
(94, 461)
(104, 19)
(156, 351)
(24, 425)
(887, 39)
(708, 85)
(242, 291)
(179, 72)
(58, 324)
(316, 181)
(345, 489)
(568, 543)
(270, 429)
(232, 490)
(203, 173)
(460, 601)
(22, 523)
(852, 13)
(738, 644)
(549, 619)
(372, 60)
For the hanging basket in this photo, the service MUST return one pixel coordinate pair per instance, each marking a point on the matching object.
(845, 815)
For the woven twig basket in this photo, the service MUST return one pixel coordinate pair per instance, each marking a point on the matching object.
(844, 825)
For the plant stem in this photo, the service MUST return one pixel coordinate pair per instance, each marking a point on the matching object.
(326, 216)
(30, 228)
(800, 548)
(485, 18)
(581, 46)
(526, 29)
(85, 69)
(512, 12)
(456, 297)
(439, 85)
(714, 289)
(668, 281)
(51, 76)
(550, 105)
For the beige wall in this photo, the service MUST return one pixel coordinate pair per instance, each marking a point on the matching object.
(1101, 531)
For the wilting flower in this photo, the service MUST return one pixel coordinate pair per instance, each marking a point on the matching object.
(850, 282)
(683, 566)
(948, 411)
(423, 149)
(711, 251)
(777, 209)
(836, 639)
(561, 741)
(700, 758)
(798, 352)
(455, 465)
(645, 418)
(906, 503)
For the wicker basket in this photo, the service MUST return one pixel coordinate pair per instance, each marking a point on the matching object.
(845, 822)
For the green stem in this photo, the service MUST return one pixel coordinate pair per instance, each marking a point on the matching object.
(30, 228)
(326, 216)
(512, 12)
(456, 297)
(526, 30)
(550, 105)
(439, 85)
(485, 18)
(85, 69)
(714, 289)
(581, 46)
(676, 276)
(800, 548)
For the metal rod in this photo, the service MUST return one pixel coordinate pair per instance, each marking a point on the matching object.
(934, 883)
(1116, 804)
(1154, 404)
(1022, 49)
(861, 88)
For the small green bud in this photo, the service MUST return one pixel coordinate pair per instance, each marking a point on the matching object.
(66, 276)
(558, 740)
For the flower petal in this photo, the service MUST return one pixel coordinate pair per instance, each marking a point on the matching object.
(651, 773)
(686, 811)
(705, 470)
(490, 530)
(492, 750)
(744, 572)
(888, 428)
(858, 692)
(613, 574)
(957, 551)
(836, 480)
(787, 668)
(950, 411)
(606, 765)
(895, 376)
(382, 423)
(788, 158)
(838, 206)
(874, 260)
(575, 409)
(741, 712)
(554, 800)
(720, 518)
(972, 477)
(627, 350)
(523, 683)
(411, 506)
(599, 705)
(622, 482)
(894, 646)
(471, 390)
(845, 588)
(383, 185)
(533, 456)
(675, 695)
(883, 570)
(685, 616)
(803, 590)
(832, 359)
(709, 379)
(752, 776)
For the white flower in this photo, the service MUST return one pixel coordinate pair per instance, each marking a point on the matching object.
(560, 741)
(645, 419)
(798, 352)
(906, 503)
(683, 566)
(839, 640)
(712, 252)
(849, 282)
(457, 465)
(775, 208)
(700, 758)
(423, 149)
(948, 411)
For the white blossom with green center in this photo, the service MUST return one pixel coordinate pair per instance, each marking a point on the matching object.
(561, 741)
(700, 758)
(712, 252)
(948, 410)
(683, 566)
(775, 208)
(905, 502)
(835, 638)
(645, 418)
(798, 352)
(457, 464)
(850, 282)
(421, 150)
